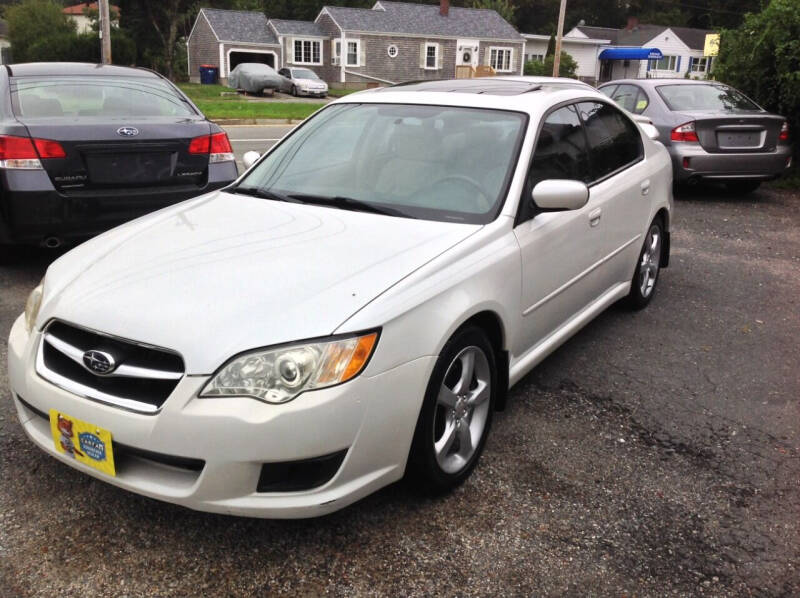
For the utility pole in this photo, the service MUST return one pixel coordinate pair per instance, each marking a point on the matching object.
(105, 32)
(559, 34)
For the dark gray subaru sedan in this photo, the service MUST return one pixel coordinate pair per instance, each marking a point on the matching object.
(85, 147)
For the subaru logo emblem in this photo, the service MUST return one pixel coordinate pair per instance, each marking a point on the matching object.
(99, 362)
(128, 131)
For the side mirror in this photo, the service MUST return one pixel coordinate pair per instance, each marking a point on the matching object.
(250, 158)
(649, 130)
(560, 194)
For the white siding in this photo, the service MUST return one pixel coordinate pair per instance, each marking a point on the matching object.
(535, 46)
(586, 57)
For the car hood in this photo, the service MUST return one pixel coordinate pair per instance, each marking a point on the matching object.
(224, 273)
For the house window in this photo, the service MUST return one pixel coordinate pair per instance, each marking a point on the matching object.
(667, 63)
(353, 47)
(337, 51)
(500, 59)
(392, 51)
(534, 58)
(307, 51)
(431, 56)
(699, 65)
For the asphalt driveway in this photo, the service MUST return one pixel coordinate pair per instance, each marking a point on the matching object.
(654, 454)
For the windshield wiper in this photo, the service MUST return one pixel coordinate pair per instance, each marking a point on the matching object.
(263, 193)
(347, 203)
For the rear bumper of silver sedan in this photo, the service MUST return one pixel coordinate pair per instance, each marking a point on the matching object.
(692, 163)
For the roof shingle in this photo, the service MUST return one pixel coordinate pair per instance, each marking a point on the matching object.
(247, 26)
(424, 19)
(287, 27)
(641, 34)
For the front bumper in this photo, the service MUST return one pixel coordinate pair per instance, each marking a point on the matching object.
(372, 418)
(31, 209)
(703, 165)
(317, 93)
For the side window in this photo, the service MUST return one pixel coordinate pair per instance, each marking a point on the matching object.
(561, 149)
(614, 141)
(630, 97)
(608, 90)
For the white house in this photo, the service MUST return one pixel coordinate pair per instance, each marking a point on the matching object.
(584, 50)
(85, 13)
(624, 52)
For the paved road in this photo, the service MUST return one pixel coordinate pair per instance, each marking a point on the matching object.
(655, 454)
(245, 138)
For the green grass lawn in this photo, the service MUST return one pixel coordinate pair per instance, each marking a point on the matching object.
(216, 106)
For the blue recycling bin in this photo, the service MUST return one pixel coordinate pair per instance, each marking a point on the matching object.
(208, 74)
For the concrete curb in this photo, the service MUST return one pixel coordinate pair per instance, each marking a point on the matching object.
(256, 121)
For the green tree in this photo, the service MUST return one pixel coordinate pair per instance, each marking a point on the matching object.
(567, 67)
(762, 58)
(34, 22)
(506, 8)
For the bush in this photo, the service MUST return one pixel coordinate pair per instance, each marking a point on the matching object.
(762, 58)
(36, 23)
(566, 68)
(84, 47)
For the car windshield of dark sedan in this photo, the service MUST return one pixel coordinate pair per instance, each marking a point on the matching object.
(304, 74)
(704, 97)
(102, 96)
(431, 162)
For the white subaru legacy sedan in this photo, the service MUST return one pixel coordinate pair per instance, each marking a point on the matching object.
(354, 308)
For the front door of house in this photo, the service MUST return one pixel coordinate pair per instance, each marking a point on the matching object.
(467, 52)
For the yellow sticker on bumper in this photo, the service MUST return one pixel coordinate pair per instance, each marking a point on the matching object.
(82, 441)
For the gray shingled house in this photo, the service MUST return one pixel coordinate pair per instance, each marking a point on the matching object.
(391, 42)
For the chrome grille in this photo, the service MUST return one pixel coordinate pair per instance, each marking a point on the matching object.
(143, 377)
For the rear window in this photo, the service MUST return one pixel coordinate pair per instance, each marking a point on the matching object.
(108, 97)
(704, 97)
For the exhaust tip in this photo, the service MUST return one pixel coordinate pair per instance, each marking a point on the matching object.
(52, 242)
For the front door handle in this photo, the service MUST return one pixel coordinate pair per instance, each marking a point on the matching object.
(594, 217)
(646, 187)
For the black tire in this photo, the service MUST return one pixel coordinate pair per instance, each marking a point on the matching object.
(424, 469)
(294, 90)
(648, 264)
(742, 187)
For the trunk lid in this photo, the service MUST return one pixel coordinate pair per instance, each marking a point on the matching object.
(107, 154)
(735, 132)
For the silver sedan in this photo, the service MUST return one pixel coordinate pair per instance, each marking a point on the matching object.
(712, 131)
(302, 82)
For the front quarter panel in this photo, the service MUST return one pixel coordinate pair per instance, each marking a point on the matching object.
(421, 312)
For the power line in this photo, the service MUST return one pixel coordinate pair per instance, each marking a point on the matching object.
(705, 8)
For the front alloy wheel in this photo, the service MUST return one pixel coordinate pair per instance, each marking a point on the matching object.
(456, 413)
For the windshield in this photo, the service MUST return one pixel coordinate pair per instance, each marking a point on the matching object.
(704, 97)
(304, 74)
(48, 97)
(433, 162)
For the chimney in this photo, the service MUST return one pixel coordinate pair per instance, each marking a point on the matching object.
(444, 7)
(633, 23)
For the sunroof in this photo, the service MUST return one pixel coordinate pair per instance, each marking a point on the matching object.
(497, 87)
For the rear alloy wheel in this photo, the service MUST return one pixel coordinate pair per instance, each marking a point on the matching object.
(456, 414)
(643, 285)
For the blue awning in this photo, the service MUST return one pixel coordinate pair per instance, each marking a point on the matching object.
(631, 54)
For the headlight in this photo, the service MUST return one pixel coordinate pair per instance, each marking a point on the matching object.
(279, 375)
(32, 306)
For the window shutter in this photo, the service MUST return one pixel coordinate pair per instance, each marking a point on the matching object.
(422, 55)
(678, 68)
(511, 60)
(290, 52)
(439, 57)
(708, 64)
(362, 53)
(487, 57)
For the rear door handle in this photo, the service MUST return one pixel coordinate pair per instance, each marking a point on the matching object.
(594, 217)
(646, 187)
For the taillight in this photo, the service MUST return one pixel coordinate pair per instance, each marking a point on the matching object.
(784, 134)
(25, 153)
(684, 132)
(217, 146)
